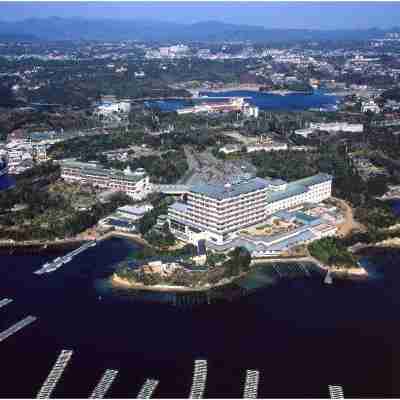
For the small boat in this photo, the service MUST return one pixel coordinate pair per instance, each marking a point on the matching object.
(328, 278)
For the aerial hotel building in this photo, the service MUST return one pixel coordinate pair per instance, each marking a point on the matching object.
(218, 212)
(135, 184)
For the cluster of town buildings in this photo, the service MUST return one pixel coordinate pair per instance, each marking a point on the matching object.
(23, 154)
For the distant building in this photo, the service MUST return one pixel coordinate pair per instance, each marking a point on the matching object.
(250, 111)
(235, 104)
(267, 147)
(370, 106)
(19, 156)
(330, 127)
(107, 108)
(135, 184)
(39, 152)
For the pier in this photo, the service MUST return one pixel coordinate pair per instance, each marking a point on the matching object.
(16, 327)
(104, 384)
(54, 375)
(251, 384)
(4, 302)
(147, 389)
(60, 261)
(336, 392)
(199, 379)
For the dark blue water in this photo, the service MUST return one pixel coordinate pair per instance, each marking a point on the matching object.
(300, 334)
(6, 182)
(265, 101)
(395, 204)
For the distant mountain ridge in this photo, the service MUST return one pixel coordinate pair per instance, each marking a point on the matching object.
(56, 28)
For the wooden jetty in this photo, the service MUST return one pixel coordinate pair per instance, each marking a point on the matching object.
(104, 384)
(199, 379)
(17, 327)
(147, 389)
(336, 392)
(251, 384)
(4, 302)
(55, 374)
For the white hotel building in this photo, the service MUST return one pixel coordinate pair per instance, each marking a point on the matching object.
(135, 184)
(331, 127)
(218, 213)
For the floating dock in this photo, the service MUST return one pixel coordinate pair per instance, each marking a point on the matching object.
(55, 374)
(251, 384)
(147, 389)
(17, 327)
(199, 379)
(60, 261)
(336, 392)
(4, 302)
(104, 384)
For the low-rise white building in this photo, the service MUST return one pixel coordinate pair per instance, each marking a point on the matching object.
(250, 111)
(133, 213)
(330, 127)
(267, 147)
(107, 108)
(135, 184)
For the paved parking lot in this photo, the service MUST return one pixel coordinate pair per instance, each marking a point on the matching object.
(204, 167)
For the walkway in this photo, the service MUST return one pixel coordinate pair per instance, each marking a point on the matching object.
(349, 224)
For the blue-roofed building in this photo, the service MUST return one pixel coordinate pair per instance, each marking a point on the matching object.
(119, 224)
(216, 213)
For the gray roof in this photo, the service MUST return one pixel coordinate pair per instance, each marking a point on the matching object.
(278, 182)
(315, 179)
(292, 189)
(221, 192)
(179, 207)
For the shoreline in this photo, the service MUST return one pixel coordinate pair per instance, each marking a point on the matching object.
(118, 282)
(235, 88)
(37, 246)
(251, 88)
(354, 273)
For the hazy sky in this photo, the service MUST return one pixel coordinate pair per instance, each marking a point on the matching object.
(315, 15)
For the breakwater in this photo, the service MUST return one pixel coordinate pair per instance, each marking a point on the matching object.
(51, 247)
